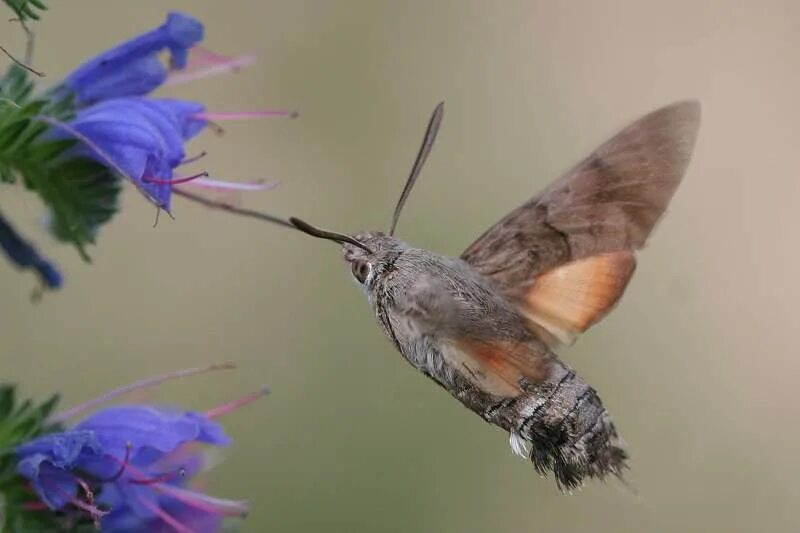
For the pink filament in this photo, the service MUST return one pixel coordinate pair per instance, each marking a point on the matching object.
(204, 502)
(138, 385)
(257, 185)
(174, 181)
(122, 467)
(235, 404)
(94, 511)
(161, 478)
(245, 115)
(86, 489)
(215, 67)
(200, 56)
(163, 515)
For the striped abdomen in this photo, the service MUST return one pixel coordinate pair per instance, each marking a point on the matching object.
(569, 430)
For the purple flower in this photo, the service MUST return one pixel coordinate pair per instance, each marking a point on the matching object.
(129, 467)
(133, 68)
(24, 255)
(143, 138)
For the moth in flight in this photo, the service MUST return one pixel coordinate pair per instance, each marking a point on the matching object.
(484, 325)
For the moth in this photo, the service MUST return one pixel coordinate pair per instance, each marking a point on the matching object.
(484, 326)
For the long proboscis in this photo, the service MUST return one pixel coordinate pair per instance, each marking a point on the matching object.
(422, 155)
(230, 208)
(292, 222)
(307, 228)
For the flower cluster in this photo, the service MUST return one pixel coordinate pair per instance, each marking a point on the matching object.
(129, 468)
(103, 112)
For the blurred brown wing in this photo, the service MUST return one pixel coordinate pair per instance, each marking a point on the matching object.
(566, 255)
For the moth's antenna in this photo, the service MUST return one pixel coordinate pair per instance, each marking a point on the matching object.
(305, 227)
(424, 150)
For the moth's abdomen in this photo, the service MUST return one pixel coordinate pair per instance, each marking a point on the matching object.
(569, 429)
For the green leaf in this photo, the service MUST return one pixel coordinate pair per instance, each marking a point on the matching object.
(80, 193)
(26, 9)
(6, 400)
(15, 84)
(82, 196)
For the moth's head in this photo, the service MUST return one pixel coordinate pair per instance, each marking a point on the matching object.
(369, 265)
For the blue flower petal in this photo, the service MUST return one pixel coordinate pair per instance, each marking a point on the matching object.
(150, 427)
(210, 431)
(142, 136)
(55, 486)
(132, 67)
(47, 461)
(183, 112)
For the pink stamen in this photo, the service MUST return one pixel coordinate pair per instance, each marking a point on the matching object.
(246, 115)
(94, 511)
(89, 499)
(161, 478)
(138, 385)
(255, 185)
(236, 404)
(214, 67)
(174, 181)
(200, 56)
(204, 502)
(142, 478)
(163, 515)
(197, 500)
(86, 490)
(122, 467)
(190, 160)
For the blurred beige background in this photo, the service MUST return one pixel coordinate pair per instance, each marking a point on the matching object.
(697, 365)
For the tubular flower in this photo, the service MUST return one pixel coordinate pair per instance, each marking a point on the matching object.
(130, 467)
(133, 68)
(143, 138)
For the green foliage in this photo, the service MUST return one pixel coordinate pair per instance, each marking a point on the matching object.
(19, 512)
(27, 9)
(80, 193)
(20, 422)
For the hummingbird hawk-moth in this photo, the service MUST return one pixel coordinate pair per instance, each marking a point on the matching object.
(484, 325)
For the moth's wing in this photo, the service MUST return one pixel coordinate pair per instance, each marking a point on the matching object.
(566, 256)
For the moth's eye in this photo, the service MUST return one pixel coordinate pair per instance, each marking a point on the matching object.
(360, 271)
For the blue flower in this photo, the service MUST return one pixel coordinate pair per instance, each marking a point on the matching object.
(133, 68)
(129, 467)
(24, 255)
(142, 137)
(139, 137)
